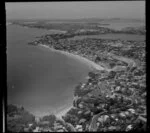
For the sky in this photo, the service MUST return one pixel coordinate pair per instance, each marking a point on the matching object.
(75, 10)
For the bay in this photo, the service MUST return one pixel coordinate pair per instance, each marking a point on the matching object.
(37, 78)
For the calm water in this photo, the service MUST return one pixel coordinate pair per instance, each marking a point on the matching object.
(39, 79)
(118, 25)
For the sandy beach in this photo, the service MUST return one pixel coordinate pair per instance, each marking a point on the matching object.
(63, 111)
(92, 65)
(89, 63)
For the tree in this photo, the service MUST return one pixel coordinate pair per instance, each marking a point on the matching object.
(19, 119)
(15, 126)
(112, 64)
(97, 59)
(51, 118)
(70, 119)
(91, 74)
(11, 109)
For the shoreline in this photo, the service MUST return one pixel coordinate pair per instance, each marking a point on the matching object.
(135, 30)
(88, 62)
(105, 98)
(92, 65)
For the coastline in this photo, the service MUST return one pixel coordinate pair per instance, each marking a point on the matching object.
(100, 81)
(90, 63)
(63, 112)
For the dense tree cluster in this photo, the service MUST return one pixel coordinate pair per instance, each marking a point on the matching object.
(18, 118)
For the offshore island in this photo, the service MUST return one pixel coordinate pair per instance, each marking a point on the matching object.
(113, 97)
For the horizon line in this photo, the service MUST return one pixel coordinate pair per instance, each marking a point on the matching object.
(81, 18)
